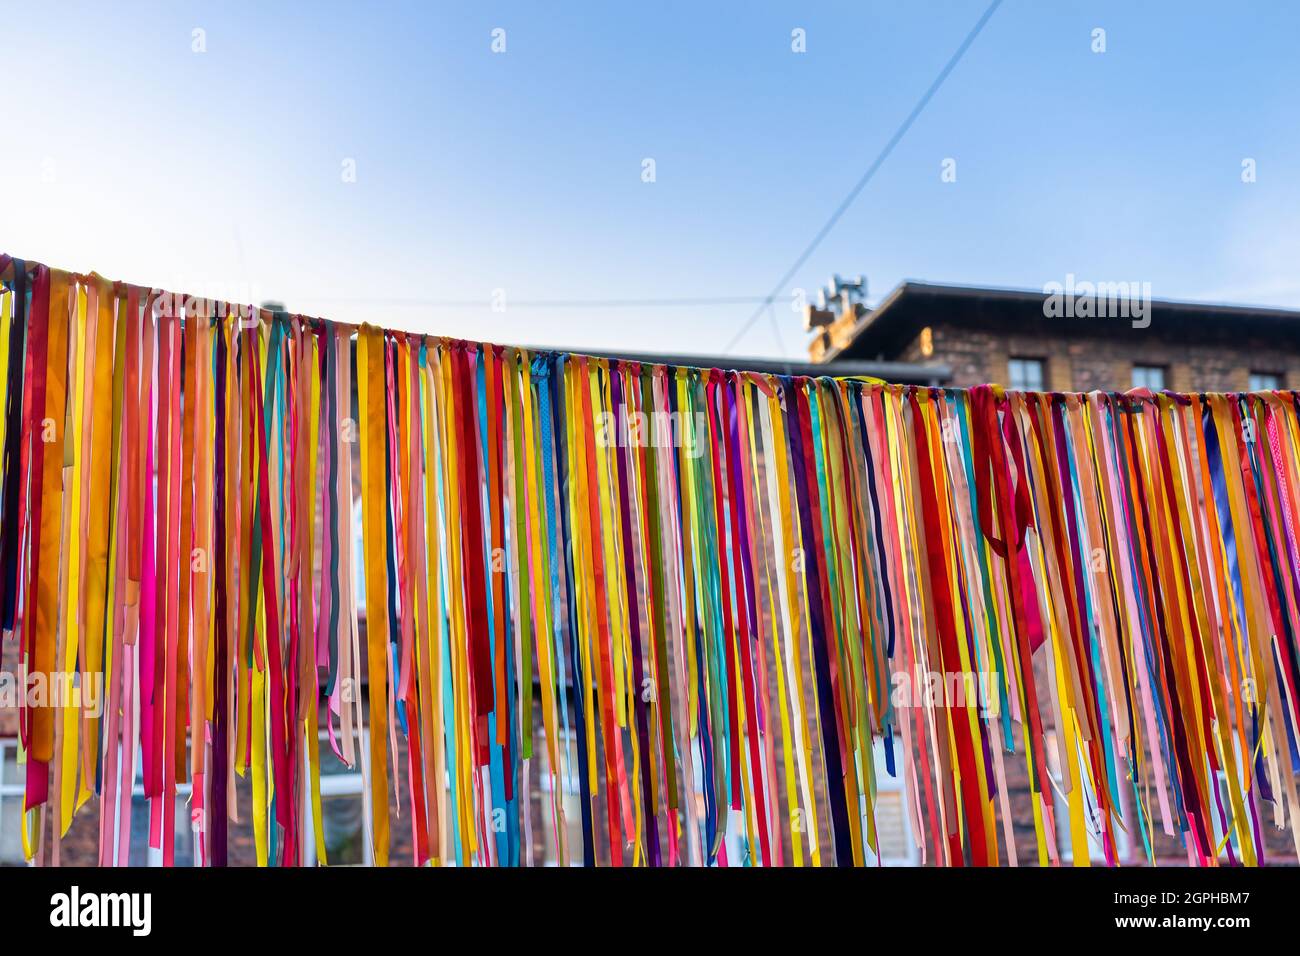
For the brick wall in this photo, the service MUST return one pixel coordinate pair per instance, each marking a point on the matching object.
(1075, 360)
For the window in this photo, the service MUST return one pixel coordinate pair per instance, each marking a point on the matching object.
(1222, 782)
(13, 785)
(1123, 834)
(11, 804)
(569, 800)
(1025, 374)
(140, 852)
(342, 810)
(735, 840)
(342, 815)
(893, 822)
(927, 342)
(1265, 382)
(1149, 376)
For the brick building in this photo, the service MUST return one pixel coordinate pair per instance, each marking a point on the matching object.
(1078, 340)
(1082, 338)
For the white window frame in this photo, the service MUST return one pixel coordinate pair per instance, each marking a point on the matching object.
(1264, 382)
(11, 791)
(1144, 374)
(887, 784)
(1023, 363)
(154, 855)
(351, 783)
(1061, 811)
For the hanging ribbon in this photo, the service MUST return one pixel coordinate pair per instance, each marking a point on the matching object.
(704, 616)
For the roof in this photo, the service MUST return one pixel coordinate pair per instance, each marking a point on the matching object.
(899, 373)
(898, 319)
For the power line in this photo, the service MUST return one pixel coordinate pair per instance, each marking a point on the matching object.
(487, 302)
(866, 177)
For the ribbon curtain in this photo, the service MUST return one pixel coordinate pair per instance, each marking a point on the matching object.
(722, 609)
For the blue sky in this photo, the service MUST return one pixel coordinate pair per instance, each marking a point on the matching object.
(128, 153)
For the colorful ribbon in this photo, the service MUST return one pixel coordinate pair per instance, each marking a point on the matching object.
(721, 609)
